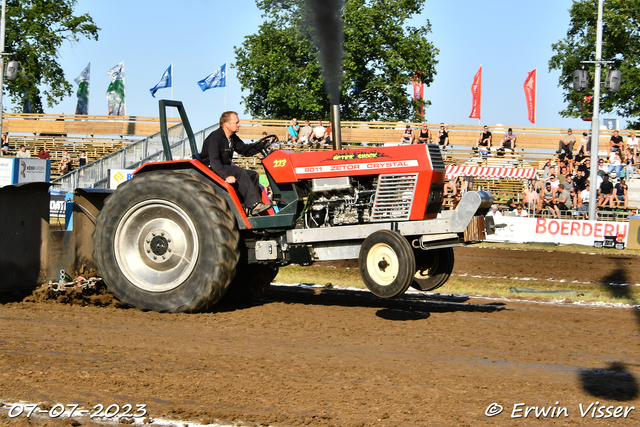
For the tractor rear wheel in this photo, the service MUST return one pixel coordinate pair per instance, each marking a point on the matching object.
(387, 263)
(166, 241)
(434, 268)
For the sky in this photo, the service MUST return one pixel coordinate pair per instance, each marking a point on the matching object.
(508, 38)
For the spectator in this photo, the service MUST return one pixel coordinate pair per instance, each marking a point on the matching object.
(620, 194)
(484, 140)
(615, 143)
(531, 200)
(615, 163)
(632, 144)
(520, 212)
(64, 166)
(554, 182)
(82, 159)
(327, 139)
(407, 136)
(292, 132)
(605, 192)
(563, 174)
(568, 183)
(509, 140)
(456, 200)
(443, 135)
(319, 133)
(573, 198)
(548, 195)
(23, 153)
(563, 199)
(495, 212)
(43, 154)
(583, 201)
(585, 145)
(630, 161)
(602, 171)
(65, 155)
(424, 136)
(305, 133)
(5, 144)
(546, 169)
(566, 144)
(580, 181)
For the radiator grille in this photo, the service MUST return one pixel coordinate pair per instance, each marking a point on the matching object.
(437, 163)
(394, 197)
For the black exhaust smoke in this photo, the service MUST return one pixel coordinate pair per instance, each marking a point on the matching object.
(328, 29)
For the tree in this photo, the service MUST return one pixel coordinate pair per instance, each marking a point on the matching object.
(35, 31)
(279, 65)
(620, 43)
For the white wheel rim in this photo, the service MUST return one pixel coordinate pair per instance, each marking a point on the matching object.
(156, 245)
(383, 264)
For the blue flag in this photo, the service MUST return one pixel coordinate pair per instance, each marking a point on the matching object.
(165, 81)
(216, 79)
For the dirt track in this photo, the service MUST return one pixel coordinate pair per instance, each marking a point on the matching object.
(315, 356)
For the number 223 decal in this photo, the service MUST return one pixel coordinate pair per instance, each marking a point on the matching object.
(279, 163)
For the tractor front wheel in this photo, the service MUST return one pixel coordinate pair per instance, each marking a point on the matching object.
(387, 263)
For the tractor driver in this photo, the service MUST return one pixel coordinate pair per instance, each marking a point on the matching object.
(217, 152)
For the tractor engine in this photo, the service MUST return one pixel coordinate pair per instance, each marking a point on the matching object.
(340, 201)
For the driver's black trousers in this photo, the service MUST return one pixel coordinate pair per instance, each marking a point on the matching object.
(246, 186)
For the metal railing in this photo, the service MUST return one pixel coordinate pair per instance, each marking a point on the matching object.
(96, 174)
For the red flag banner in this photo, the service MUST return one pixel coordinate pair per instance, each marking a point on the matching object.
(476, 91)
(418, 93)
(530, 94)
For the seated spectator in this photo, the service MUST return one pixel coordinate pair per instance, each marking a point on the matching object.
(305, 133)
(65, 155)
(554, 182)
(292, 132)
(615, 163)
(630, 161)
(520, 211)
(548, 196)
(566, 144)
(573, 198)
(615, 143)
(327, 139)
(443, 135)
(580, 181)
(620, 194)
(424, 136)
(407, 136)
(43, 154)
(23, 153)
(584, 149)
(546, 169)
(568, 183)
(5, 144)
(561, 201)
(319, 133)
(495, 212)
(484, 140)
(602, 170)
(605, 192)
(456, 200)
(632, 144)
(64, 166)
(509, 140)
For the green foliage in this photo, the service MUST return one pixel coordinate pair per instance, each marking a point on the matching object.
(620, 43)
(35, 31)
(279, 66)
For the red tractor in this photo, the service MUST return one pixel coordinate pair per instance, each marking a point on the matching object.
(176, 238)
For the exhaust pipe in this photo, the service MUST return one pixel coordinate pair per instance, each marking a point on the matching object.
(336, 135)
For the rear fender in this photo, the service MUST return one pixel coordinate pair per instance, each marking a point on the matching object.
(196, 168)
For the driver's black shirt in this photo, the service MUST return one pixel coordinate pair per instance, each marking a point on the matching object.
(217, 151)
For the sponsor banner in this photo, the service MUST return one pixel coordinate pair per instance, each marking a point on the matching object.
(118, 176)
(6, 171)
(562, 231)
(312, 170)
(33, 170)
(57, 203)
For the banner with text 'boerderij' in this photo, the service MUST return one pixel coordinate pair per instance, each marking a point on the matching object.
(562, 231)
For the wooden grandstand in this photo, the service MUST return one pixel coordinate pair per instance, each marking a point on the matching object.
(97, 135)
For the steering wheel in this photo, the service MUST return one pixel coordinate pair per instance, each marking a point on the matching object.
(263, 143)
